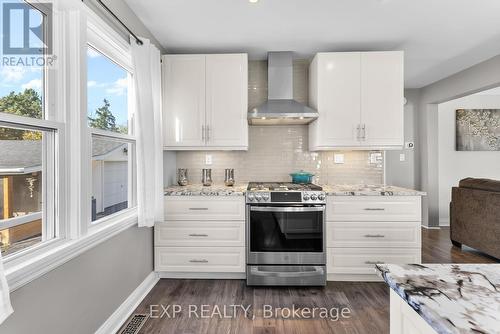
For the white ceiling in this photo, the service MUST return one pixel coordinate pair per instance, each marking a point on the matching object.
(440, 37)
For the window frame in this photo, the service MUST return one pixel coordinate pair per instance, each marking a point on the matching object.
(107, 42)
(66, 110)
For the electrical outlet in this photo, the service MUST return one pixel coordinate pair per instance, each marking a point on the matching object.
(338, 158)
(402, 157)
(208, 159)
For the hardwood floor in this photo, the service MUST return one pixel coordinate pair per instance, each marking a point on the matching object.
(368, 302)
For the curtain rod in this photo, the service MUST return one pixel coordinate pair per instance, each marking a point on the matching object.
(137, 39)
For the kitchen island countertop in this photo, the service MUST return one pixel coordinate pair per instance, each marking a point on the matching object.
(451, 298)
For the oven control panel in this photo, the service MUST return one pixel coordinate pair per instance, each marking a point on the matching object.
(313, 197)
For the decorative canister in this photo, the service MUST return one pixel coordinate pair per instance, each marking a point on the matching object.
(229, 176)
(206, 176)
(182, 176)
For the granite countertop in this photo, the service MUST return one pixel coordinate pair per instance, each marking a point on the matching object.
(332, 190)
(200, 190)
(369, 190)
(451, 298)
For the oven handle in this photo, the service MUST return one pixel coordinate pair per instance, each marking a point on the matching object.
(287, 209)
(317, 271)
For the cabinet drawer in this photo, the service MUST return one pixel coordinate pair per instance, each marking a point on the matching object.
(200, 259)
(200, 233)
(204, 208)
(373, 234)
(359, 261)
(373, 208)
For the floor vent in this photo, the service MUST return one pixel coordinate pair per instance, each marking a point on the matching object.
(135, 324)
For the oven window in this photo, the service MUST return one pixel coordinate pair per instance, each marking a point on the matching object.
(286, 231)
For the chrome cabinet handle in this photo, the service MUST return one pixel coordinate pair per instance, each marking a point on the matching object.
(208, 133)
(374, 209)
(363, 127)
(374, 236)
(287, 209)
(198, 261)
(198, 209)
(374, 262)
(198, 235)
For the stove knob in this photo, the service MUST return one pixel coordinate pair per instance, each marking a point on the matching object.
(321, 197)
(250, 197)
(306, 197)
(258, 197)
(265, 197)
(314, 197)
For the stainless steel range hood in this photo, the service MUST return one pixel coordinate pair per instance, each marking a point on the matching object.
(281, 108)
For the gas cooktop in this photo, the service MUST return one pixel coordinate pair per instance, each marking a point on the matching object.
(284, 192)
(282, 186)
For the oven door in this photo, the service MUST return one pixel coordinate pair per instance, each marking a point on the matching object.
(286, 234)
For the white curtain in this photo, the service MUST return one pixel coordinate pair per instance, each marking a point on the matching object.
(5, 306)
(147, 80)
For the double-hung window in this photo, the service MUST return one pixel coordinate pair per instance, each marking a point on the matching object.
(110, 122)
(31, 145)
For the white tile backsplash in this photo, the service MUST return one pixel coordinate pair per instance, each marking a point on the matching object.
(276, 151)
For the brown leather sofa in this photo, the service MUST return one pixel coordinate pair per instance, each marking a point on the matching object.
(475, 215)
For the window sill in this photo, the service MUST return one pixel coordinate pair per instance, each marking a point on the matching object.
(29, 268)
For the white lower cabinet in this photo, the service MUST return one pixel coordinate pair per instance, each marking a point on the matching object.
(364, 231)
(202, 237)
(200, 259)
(358, 264)
(200, 234)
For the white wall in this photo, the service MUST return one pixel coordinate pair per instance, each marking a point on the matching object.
(403, 173)
(456, 165)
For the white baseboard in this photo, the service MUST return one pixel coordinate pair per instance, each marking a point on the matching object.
(431, 227)
(121, 314)
(444, 222)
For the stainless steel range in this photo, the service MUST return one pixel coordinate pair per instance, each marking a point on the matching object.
(285, 225)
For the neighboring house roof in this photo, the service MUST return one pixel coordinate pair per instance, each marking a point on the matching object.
(20, 156)
(25, 156)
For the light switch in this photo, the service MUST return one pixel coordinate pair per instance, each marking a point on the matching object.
(402, 157)
(208, 159)
(338, 158)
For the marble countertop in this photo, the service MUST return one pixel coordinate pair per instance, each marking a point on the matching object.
(369, 190)
(200, 190)
(331, 190)
(451, 298)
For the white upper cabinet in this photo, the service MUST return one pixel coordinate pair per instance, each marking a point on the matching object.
(227, 100)
(382, 98)
(359, 97)
(335, 93)
(205, 100)
(183, 100)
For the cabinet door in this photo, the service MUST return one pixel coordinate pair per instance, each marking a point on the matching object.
(227, 100)
(183, 100)
(337, 100)
(382, 97)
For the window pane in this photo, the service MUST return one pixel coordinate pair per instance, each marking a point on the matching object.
(21, 81)
(22, 222)
(107, 93)
(110, 176)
